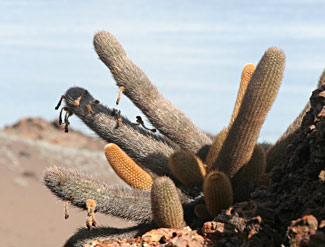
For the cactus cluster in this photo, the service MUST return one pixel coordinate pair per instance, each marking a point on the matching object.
(181, 173)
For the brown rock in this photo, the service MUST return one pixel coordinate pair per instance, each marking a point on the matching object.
(300, 230)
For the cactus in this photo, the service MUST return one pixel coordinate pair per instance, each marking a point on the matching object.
(169, 120)
(149, 151)
(177, 160)
(217, 192)
(127, 169)
(166, 206)
(258, 99)
(250, 175)
(246, 76)
(187, 168)
(70, 185)
(215, 148)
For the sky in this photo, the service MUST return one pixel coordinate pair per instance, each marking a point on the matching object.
(193, 51)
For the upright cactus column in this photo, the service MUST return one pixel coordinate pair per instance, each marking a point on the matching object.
(215, 147)
(258, 99)
(169, 120)
(166, 206)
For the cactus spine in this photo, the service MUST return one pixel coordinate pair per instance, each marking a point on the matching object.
(127, 169)
(187, 168)
(166, 207)
(217, 192)
(260, 94)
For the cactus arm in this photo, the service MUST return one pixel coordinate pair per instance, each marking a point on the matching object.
(187, 168)
(246, 76)
(167, 209)
(127, 169)
(258, 99)
(146, 149)
(217, 191)
(169, 120)
(215, 147)
(122, 202)
(250, 175)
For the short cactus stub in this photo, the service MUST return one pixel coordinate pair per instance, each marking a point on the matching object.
(217, 192)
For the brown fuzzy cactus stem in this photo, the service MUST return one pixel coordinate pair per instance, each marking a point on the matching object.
(215, 147)
(255, 168)
(217, 192)
(258, 99)
(127, 169)
(169, 120)
(250, 175)
(166, 206)
(246, 76)
(187, 168)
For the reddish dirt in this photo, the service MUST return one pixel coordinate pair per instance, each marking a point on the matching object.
(40, 129)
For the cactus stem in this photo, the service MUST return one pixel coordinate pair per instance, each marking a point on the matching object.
(66, 119)
(77, 101)
(140, 122)
(59, 103)
(91, 220)
(90, 109)
(66, 209)
(119, 119)
(119, 94)
(60, 115)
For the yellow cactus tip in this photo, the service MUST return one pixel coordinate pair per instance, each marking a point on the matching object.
(110, 145)
(126, 168)
(249, 66)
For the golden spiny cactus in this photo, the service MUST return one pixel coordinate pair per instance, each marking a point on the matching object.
(217, 192)
(187, 167)
(258, 99)
(166, 206)
(246, 76)
(215, 148)
(127, 169)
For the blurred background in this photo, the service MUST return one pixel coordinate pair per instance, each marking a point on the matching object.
(192, 51)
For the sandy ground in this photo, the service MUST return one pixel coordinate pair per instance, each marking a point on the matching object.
(30, 214)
